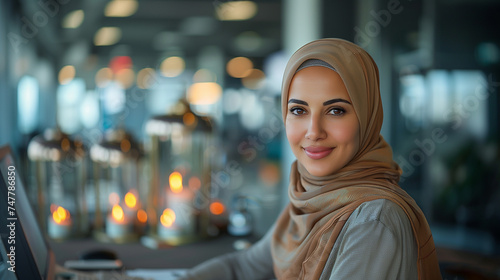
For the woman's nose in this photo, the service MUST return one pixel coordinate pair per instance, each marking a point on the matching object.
(315, 131)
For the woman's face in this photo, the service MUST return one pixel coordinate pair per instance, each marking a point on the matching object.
(321, 125)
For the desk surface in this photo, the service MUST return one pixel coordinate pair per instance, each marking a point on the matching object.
(135, 255)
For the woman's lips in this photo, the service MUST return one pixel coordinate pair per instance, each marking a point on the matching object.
(317, 152)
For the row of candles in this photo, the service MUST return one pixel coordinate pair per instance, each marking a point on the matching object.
(169, 207)
(127, 216)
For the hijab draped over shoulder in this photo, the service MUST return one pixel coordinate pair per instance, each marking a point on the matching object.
(319, 206)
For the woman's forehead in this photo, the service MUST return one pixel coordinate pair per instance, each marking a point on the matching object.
(317, 81)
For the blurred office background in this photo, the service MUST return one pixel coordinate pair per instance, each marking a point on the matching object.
(88, 67)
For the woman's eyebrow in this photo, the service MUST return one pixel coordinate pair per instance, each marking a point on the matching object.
(331, 101)
(297, 101)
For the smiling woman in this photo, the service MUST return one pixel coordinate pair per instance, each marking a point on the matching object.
(347, 218)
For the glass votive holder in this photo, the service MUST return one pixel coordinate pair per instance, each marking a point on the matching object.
(180, 166)
(59, 167)
(119, 214)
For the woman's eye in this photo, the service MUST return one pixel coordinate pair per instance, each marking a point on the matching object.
(297, 111)
(336, 111)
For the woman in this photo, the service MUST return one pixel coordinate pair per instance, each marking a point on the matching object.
(347, 217)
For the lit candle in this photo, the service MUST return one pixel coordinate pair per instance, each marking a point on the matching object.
(178, 218)
(218, 215)
(131, 204)
(59, 223)
(142, 217)
(117, 224)
(167, 227)
(141, 220)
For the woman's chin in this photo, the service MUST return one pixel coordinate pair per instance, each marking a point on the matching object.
(320, 171)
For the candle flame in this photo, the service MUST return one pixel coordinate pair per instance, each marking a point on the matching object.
(142, 216)
(168, 217)
(217, 208)
(60, 215)
(175, 181)
(117, 213)
(130, 200)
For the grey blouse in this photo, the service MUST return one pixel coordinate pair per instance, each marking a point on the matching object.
(376, 242)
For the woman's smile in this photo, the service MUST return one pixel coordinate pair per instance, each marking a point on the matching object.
(317, 152)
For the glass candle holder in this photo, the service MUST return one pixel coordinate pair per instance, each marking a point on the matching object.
(180, 165)
(58, 163)
(119, 214)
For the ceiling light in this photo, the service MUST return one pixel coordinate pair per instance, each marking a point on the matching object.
(236, 10)
(121, 8)
(73, 19)
(107, 36)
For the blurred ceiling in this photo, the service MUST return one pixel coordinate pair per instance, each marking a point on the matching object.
(156, 29)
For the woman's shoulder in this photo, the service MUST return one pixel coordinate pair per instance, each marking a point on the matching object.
(377, 239)
(382, 211)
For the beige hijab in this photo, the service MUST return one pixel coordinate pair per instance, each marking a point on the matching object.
(319, 206)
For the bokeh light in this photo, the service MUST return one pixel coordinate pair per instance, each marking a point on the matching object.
(142, 216)
(204, 93)
(146, 78)
(125, 77)
(117, 213)
(114, 198)
(121, 8)
(217, 208)
(73, 19)
(107, 36)
(66, 74)
(239, 67)
(130, 200)
(175, 180)
(103, 77)
(254, 80)
(189, 119)
(236, 10)
(204, 76)
(168, 217)
(194, 183)
(172, 66)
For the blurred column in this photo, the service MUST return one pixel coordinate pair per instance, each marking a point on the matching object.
(301, 24)
(369, 36)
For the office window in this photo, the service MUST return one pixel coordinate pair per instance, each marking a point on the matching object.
(27, 104)
(69, 99)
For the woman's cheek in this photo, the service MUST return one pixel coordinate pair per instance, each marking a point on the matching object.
(293, 131)
(344, 133)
